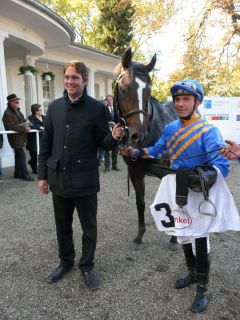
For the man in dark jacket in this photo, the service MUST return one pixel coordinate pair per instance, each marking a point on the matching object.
(75, 126)
(14, 120)
(111, 119)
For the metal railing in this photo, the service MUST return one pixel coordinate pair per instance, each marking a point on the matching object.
(32, 131)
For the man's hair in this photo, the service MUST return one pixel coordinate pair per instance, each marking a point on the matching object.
(35, 107)
(109, 96)
(80, 67)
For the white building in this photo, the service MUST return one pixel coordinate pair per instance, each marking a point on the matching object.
(32, 34)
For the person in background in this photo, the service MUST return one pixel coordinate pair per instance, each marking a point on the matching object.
(232, 151)
(1, 145)
(37, 120)
(100, 152)
(13, 119)
(76, 125)
(111, 119)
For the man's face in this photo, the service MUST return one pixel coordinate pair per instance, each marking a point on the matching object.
(109, 101)
(15, 104)
(74, 83)
(184, 105)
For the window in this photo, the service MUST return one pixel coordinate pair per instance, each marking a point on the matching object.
(47, 94)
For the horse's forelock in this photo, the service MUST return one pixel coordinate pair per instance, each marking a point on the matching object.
(140, 68)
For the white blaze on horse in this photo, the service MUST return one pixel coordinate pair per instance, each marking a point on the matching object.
(145, 119)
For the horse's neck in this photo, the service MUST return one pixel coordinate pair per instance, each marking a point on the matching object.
(160, 115)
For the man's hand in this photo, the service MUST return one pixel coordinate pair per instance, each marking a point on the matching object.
(232, 151)
(128, 152)
(43, 186)
(27, 129)
(117, 132)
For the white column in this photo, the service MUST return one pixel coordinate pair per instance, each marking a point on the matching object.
(3, 77)
(90, 87)
(6, 152)
(109, 86)
(30, 86)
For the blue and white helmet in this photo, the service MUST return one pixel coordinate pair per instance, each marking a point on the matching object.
(188, 87)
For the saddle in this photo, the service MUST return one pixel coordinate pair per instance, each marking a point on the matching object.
(199, 179)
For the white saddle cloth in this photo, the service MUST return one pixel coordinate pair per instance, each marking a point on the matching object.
(188, 222)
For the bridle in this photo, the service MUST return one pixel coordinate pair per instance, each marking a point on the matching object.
(123, 116)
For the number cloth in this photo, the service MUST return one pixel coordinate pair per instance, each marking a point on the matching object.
(187, 221)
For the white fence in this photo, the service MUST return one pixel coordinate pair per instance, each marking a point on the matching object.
(5, 156)
(32, 131)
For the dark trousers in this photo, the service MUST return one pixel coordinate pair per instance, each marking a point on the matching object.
(20, 170)
(87, 213)
(33, 161)
(114, 154)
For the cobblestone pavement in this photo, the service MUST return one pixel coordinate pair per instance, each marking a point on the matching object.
(136, 282)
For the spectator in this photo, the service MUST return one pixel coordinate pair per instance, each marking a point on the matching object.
(37, 120)
(111, 119)
(1, 145)
(13, 119)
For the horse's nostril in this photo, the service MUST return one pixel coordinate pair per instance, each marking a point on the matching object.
(134, 137)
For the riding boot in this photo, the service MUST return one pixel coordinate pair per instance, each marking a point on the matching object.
(202, 268)
(201, 300)
(190, 262)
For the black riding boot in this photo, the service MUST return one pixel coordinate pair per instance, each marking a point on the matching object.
(202, 268)
(201, 300)
(190, 261)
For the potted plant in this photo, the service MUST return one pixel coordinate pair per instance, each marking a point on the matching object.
(27, 70)
(48, 76)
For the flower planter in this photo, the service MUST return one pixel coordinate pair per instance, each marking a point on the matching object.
(47, 77)
(28, 73)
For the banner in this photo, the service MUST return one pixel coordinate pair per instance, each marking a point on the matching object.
(224, 113)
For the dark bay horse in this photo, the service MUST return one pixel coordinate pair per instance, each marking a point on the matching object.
(145, 119)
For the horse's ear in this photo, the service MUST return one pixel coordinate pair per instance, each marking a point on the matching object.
(127, 58)
(150, 66)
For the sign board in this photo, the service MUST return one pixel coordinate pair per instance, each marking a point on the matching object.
(224, 113)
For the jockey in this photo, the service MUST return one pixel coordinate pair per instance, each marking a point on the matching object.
(181, 139)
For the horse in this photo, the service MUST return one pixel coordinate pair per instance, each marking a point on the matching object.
(145, 118)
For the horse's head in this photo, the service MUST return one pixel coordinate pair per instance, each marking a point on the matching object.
(132, 90)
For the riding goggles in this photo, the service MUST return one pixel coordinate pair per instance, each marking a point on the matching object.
(191, 85)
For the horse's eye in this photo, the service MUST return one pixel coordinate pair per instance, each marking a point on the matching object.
(123, 90)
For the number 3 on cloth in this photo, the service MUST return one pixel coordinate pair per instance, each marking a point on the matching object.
(171, 223)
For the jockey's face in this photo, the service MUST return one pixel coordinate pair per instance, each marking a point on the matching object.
(184, 105)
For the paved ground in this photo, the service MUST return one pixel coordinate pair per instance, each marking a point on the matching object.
(136, 282)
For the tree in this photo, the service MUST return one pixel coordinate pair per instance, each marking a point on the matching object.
(214, 63)
(81, 15)
(114, 31)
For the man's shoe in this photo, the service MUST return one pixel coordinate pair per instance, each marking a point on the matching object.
(90, 279)
(28, 178)
(106, 169)
(59, 273)
(115, 168)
